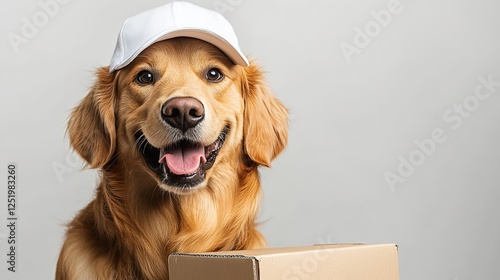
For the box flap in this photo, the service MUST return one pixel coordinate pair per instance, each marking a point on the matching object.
(211, 266)
(360, 262)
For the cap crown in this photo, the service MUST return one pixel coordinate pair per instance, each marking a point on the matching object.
(176, 19)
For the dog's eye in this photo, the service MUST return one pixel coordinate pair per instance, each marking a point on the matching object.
(214, 75)
(144, 77)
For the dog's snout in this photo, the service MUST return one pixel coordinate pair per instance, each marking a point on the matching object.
(183, 112)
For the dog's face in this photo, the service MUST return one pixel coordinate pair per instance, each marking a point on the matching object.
(175, 113)
(182, 106)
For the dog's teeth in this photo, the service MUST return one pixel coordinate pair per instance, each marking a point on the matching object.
(162, 154)
(213, 146)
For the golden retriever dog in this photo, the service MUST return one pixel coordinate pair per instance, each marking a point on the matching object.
(178, 136)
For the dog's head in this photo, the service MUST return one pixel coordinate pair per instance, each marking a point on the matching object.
(177, 112)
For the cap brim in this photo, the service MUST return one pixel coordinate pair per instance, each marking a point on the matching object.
(234, 54)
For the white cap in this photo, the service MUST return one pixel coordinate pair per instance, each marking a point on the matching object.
(176, 19)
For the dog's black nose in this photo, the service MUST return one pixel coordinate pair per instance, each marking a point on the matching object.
(183, 112)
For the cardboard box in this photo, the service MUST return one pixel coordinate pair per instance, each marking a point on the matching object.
(325, 262)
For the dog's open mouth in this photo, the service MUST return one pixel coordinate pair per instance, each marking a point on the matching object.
(182, 164)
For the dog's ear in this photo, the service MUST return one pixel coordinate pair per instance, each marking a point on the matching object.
(265, 127)
(91, 127)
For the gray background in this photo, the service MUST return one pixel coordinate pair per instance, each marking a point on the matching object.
(354, 119)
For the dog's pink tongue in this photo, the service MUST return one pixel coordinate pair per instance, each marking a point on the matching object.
(184, 160)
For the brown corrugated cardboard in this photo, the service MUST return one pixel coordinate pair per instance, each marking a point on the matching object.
(325, 262)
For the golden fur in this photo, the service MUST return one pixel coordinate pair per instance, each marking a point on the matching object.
(135, 221)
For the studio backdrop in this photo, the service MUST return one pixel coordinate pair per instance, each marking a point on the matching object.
(394, 128)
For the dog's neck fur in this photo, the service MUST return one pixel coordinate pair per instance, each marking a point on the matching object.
(196, 222)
